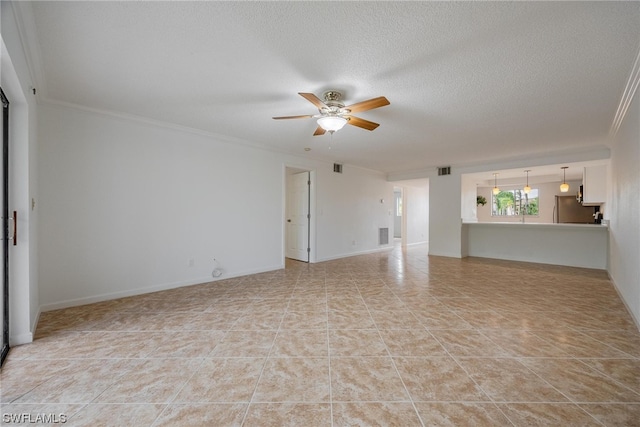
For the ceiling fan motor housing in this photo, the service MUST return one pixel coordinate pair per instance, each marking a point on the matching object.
(332, 100)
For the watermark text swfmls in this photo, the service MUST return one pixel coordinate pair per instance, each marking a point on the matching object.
(27, 418)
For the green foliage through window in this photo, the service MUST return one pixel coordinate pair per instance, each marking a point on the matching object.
(515, 203)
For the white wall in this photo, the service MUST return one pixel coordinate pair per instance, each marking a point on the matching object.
(445, 231)
(547, 193)
(126, 205)
(350, 208)
(17, 84)
(624, 211)
(468, 194)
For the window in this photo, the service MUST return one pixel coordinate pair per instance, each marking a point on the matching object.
(515, 203)
(398, 205)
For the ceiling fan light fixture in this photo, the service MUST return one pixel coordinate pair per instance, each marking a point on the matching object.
(332, 123)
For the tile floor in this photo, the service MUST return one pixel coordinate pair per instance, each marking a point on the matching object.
(395, 338)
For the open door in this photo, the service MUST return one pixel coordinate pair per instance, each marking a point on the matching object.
(298, 226)
(4, 247)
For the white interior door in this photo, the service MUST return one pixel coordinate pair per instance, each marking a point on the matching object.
(298, 216)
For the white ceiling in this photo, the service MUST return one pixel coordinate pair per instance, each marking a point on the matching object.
(468, 82)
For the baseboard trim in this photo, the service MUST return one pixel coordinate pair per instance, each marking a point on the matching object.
(617, 288)
(370, 251)
(15, 340)
(149, 289)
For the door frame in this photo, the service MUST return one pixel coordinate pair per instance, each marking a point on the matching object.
(286, 171)
(5, 226)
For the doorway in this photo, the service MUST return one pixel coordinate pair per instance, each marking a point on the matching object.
(397, 214)
(4, 190)
(298, 238)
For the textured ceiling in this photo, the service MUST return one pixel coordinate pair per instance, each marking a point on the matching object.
(468, 82)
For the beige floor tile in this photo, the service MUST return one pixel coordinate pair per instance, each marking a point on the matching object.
(267, 320)
(288, 414)
(625, 341)
(370, 339)
(395, 319)
(190, 344)
(440, 318)
(412, 342)
(523, 343)
(375, 414)
(579, 382)
(350, 319)
(548, 414)
(348, 302)
(615, 414)
(300, 343)
(245, 344)
(115, 415)
(625, 371)
(366, 379)
(317, 304)
(19, 377)
(304, 320)
(199, 414)
(454, 414)
(356, 342)
(294, 380)
(152, 381)
(437, 379)
(508, 380)
(222, 380)
(81, 381)
(470, 343)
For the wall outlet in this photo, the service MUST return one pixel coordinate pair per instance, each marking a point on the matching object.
(191, 262)
(353, 243)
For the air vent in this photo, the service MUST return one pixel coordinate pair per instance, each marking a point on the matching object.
(383, 236)
(337, 168)
(444, 170)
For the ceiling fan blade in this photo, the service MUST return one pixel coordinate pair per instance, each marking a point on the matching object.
(314, 100)
(370, 104)
(306, 116)
(361, 123)
(319, 131)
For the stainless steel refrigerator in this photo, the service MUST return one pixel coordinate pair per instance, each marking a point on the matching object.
(567, 210)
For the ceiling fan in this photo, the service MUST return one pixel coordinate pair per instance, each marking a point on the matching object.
(333, 114)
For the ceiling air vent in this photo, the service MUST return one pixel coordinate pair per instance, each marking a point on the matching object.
(444, 170)
(337, 168)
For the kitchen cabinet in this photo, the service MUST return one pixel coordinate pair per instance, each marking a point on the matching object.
(594, 182)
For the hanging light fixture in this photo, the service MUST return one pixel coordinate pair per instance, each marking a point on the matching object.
(496, 190)
(526, 188)
(332, 123)
(564, 187)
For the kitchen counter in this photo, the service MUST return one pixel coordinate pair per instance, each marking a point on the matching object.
(576, 245)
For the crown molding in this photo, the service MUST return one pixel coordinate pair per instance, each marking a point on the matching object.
(27, 32)
(627, 96)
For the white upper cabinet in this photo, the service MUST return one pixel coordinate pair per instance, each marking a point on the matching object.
(594, 182)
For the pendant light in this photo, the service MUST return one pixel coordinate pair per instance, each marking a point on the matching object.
(496, 190)
(564, 187)
(526, 188)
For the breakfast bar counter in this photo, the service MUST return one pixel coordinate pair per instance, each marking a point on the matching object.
(575, 245)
